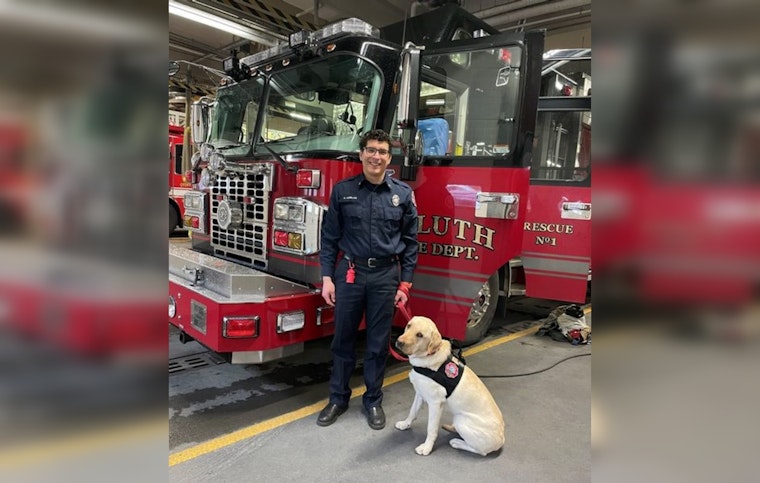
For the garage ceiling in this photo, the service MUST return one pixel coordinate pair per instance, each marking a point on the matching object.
(266, 22)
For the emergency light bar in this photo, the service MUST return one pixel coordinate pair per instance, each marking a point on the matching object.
(347, 26)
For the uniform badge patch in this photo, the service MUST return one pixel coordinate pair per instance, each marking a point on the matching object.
(451, 370)
(395, 200)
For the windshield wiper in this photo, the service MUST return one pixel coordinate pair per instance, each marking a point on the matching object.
(287, 140)
(290, 167)
(230, 146)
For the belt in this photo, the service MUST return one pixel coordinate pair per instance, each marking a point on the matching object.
(373, 262)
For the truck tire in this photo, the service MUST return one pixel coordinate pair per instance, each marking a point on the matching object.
(482, 310)
(173, 219)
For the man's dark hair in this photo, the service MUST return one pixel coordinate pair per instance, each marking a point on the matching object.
(376, 135)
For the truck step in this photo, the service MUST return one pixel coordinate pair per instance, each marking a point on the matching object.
(516, 289)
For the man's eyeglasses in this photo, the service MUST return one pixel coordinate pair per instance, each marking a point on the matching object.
(373, 151)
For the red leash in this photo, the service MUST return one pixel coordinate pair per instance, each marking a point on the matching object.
(406, 315)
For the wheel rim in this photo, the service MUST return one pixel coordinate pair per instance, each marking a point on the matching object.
(479, 306)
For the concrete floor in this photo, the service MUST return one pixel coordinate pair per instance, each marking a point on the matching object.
(547, 419)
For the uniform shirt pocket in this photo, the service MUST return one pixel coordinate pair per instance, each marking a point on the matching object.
(392, 216)
(353, 215)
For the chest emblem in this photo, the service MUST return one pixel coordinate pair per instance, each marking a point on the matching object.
(451, 370)
(395, 200)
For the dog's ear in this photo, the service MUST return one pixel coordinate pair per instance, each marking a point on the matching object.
(435, 342)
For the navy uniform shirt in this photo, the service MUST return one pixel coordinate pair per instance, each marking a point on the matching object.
(366, 221)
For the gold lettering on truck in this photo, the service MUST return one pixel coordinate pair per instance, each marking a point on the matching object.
(554, 228)
(561, 229)
(465, 230)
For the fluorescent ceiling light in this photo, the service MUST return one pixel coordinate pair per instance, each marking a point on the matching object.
(205, 18)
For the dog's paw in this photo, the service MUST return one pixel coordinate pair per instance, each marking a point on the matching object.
(424, 449)
(402, 425)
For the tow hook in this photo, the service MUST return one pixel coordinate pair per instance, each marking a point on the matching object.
(184, 337)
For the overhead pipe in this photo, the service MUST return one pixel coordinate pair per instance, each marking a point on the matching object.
(226, 49)
(579, 13)
(499, 9)
(506, 18)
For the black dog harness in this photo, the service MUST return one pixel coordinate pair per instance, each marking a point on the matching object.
(448, 374)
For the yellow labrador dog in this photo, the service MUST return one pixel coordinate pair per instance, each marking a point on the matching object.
(477, 418)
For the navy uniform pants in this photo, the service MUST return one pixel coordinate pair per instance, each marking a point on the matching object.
(372, 294)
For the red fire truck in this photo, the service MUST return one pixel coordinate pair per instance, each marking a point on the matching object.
(178, 182)
(16, 182)
(460, 99)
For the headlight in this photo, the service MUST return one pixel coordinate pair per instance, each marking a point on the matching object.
(172, 307)
(295, 213)
(281, 211)
(216, 161)
(192, 201)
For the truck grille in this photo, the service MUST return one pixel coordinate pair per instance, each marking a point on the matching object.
(246, 188)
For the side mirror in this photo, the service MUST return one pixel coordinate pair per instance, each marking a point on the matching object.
(409, 92)
(419, 147)
(201, 122)
(412, 147)
(173, 68)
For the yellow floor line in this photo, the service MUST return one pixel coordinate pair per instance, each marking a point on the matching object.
(66, 446)
(258, 428)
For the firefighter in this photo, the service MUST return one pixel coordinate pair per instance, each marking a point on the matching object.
(370, 230)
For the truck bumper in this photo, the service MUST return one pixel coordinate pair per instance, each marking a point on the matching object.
(208, 292)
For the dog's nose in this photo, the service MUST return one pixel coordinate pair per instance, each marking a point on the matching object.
(399, 344)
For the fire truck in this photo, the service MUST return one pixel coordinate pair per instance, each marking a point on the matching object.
(15, 180)
(179, 184)
(461, 101)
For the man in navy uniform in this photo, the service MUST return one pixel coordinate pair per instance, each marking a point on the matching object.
(370, 230)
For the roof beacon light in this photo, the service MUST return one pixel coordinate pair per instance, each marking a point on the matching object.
(300, 38)
(296, 39)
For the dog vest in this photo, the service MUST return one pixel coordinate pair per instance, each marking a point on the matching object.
(448, 374)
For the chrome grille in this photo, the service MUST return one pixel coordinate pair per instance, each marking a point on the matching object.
(247, 187)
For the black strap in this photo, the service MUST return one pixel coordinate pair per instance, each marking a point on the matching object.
(447, 375)
(456, 347)
(374, 262)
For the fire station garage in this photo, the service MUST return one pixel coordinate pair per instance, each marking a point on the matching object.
(488, 107)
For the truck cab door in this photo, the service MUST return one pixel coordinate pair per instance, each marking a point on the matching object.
(476, 98)
(556, 256)
(473, 104)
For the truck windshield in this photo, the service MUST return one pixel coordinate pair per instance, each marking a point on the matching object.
(322, 105)
(234, 117)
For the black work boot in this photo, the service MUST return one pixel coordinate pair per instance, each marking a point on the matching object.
(375, 417)
(330, 413)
